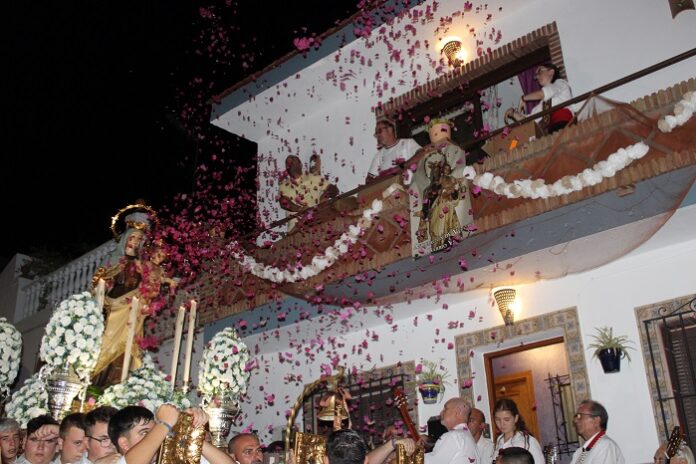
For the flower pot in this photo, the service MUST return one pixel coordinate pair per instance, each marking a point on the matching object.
(610, 359)
(429, 392)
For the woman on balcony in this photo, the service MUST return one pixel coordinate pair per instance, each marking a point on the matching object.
(554, 91)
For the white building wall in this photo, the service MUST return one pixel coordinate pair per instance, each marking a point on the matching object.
(607, 296)
(602, 41)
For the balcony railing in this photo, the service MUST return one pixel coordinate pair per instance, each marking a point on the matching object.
(76, 276)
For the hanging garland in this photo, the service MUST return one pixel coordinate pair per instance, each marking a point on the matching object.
(538, 188)
(319, 262)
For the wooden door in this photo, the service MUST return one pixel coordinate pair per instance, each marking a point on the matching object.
(518, 387)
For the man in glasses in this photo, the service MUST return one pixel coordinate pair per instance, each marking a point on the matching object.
(590, 422)
(39, 448)
(97, 427)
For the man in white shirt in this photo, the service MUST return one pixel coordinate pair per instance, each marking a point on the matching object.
(138, 434)
(457, 445)
(476, 424)
(40, 447)
(72, 440)
(591, 424)
(9, 440)
(245, 448)
(392, 150)
(97, 427)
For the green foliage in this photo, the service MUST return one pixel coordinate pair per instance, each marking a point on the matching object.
(605, 339)
(434, 373)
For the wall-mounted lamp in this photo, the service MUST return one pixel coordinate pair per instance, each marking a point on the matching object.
(453, 50)
(507, 304)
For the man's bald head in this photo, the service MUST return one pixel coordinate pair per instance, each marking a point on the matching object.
(455, 412)
(245, 449)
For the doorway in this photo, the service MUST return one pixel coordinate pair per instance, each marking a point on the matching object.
(532, 375)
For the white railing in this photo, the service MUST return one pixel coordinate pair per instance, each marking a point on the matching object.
(74, 277)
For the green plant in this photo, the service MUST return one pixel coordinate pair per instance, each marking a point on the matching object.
(429, 372)
(605, 339)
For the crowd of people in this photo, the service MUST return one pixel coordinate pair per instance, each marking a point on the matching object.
(134, 435)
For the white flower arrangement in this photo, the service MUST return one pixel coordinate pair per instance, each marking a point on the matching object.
(10, 355)
(147, 386)
(223, 375)
(29, 401)
(73, 336)
(683, 111)
(320, 262)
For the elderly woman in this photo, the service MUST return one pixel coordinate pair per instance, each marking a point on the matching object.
(554, 91)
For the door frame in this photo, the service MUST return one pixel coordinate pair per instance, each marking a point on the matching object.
(488, 363)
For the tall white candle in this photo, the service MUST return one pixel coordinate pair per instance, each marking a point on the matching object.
(179, 328)
(189, 342)
(132, 318)
(101, 290)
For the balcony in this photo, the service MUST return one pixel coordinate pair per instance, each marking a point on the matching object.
(379, 267)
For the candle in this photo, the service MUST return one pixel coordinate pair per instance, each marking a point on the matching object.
(179, 328)
(189, 341)
(132, 318)
(101, 290)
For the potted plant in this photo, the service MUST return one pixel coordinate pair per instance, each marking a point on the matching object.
(610, 349)
(431, 378)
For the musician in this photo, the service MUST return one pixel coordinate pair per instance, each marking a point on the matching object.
(245, 448)
(138, 434)
(682, 456)
(485, 446)
(457, 445)
(590, 422)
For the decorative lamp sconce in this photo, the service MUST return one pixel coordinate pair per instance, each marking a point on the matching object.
(453, 50)
(507, 304)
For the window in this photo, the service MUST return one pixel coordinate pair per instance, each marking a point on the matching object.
(476, 96)
(669, 344)
(372, 407)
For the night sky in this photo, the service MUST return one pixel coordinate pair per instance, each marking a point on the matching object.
(96, 95)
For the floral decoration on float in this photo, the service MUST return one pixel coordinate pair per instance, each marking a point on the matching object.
(146, 386)
(223, 376)
(73, 337)
(10, 355)
(30, 401)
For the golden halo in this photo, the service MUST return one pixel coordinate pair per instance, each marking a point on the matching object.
(140, 225)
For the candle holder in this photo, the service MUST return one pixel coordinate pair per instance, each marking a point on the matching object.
(222, 413)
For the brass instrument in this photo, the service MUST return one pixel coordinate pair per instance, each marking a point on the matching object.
(185, 445)
(310, 448)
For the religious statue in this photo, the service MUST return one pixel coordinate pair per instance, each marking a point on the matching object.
(441, 205)
(127, 277)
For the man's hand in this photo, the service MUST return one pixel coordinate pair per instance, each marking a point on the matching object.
(168, 414)
(47, 432)
(200, 418)
(409, 445)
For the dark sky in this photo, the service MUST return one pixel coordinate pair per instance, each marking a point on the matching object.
(94, 101)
